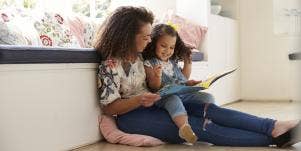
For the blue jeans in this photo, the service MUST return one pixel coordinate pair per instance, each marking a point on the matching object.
(225, 127)
(174, 103)
(198, 97)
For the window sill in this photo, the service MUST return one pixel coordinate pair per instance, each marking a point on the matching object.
(39, 55)
(13, 54)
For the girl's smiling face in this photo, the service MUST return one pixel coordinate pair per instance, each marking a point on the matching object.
(165, 47)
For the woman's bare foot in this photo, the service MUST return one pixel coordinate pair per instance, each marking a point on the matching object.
(283, 126)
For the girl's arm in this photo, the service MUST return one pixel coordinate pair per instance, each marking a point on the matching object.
(121, 106)
(187, 67)
(153, 77)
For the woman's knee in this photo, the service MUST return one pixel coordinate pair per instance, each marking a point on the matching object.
(206, 97)
(151, 121)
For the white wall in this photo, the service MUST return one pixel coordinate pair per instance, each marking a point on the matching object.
(264, 56)
(159, 7)
(195, 10)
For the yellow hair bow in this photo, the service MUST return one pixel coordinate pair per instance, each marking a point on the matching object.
(174, 26)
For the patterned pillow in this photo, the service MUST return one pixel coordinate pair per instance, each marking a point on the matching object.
(54, 32)
(10, 33)
(17, 25)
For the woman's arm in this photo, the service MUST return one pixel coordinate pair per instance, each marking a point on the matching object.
(187, 67)
(121, 106)
(153, 77)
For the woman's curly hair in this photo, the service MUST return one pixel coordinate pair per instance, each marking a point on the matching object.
(181, 51)
(116, 36)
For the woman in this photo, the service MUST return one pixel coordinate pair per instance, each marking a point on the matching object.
(122, 92)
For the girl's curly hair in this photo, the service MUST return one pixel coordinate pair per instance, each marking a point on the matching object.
(181, 50)
(116, 36)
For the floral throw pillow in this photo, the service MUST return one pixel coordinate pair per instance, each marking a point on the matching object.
(10, 33)
(83, 29)
(53, 31)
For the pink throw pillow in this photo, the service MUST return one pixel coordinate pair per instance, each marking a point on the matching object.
(112, 134)
(76, 26)
(83, 29)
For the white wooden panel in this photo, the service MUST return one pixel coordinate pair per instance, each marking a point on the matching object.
(48, 107)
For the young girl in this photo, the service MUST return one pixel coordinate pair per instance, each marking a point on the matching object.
(161, 56)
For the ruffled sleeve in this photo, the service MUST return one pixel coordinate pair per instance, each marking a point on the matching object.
(151, 62)
(147, 63)
(108, 82)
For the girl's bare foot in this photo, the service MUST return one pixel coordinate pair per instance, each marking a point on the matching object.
(283, 126)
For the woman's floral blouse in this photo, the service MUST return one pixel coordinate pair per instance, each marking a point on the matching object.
(114, 83)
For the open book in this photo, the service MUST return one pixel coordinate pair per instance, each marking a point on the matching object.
(181, 89)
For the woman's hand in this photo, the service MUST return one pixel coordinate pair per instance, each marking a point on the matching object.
(193, 82)
(148, 99)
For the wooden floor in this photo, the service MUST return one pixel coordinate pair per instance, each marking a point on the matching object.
(276, 110)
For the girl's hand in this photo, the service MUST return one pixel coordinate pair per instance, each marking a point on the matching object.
(188, 59)
(148, 99)
(157, 70)
(193, 82)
